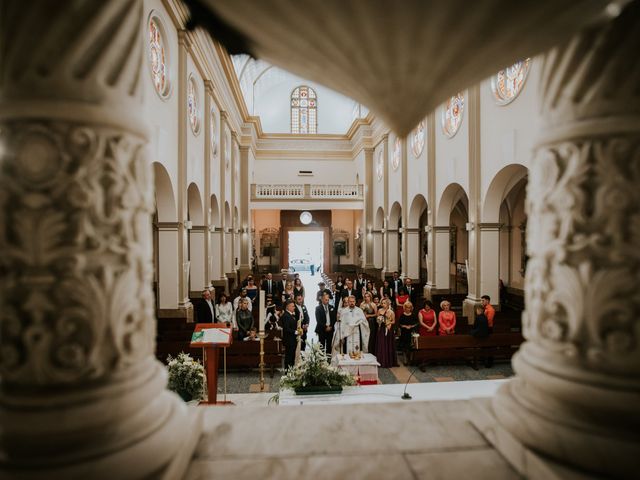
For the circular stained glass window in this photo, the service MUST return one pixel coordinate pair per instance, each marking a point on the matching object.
(417, 139)
(305, 218)
(395, 160)
(380, 164)
(507, 83)
(452, 115)
(158, 57)
(192, 105)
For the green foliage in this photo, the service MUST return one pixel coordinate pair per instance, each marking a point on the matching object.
(314, 370)
(186, 376)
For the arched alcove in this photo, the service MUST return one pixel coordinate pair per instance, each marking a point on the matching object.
(394, 237)
(453, 211)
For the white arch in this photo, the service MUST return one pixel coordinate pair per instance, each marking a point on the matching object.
(379, 219)
(164, 196)
(450, 197)
(215, 211)
(502, 183)
(395, 215)
(194, 205)
(418, 206)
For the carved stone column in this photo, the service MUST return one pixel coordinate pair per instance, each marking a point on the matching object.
(81, 395)
(576, 398)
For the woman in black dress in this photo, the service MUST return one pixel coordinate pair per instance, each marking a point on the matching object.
(386, 340)
(408, 323)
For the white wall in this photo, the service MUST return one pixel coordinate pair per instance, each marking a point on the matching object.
(325, 171)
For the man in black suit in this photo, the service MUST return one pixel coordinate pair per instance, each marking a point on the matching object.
(396, 283)
(302, 313)
(348, 290)
(411, 290)
(205, 309)
(361, 284)
(269, 286)
(281, 285)
(290, 334)
(322, 290)
(325, 322)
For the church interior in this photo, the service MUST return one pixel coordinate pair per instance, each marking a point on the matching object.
(167, 165)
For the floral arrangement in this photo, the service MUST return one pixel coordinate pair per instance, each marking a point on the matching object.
(314, 371)
(186, 376)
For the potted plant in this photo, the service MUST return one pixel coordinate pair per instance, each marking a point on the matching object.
(186, 376)
(314, 375)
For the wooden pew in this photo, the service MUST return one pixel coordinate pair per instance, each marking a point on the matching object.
(465, 347)
(246, 355)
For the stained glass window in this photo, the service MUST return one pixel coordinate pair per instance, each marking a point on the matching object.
(304, 104)
(380, 164)
(452, 115)
(214, 134)
(507, 83)
(397, 150)
(192, 105)
(158, 58)
(417, 139)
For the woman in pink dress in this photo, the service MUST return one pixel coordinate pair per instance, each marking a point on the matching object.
(427, 319)
(446, 319)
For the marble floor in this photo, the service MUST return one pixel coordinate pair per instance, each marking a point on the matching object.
(403, 440)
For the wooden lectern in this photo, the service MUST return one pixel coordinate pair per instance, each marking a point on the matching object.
(210, 359)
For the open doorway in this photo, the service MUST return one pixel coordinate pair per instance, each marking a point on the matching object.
(306, 252)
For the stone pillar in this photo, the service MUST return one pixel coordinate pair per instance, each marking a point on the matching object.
(245, 217)
(431, 285)
(208, 162)
(475, 187)
(414, 251)
(197, 250)
(490, 261)
(367, 230)
(81, 395)
(576, 396)
(440, 243)
(167, 266)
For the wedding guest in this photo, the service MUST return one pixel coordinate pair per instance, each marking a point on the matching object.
(290, 333)
(302, 313)
(252, 292)
(386, 290)
(339, 286)
(287, 293)
(489, 311)
(446, 319)
(205, 308)
(325, 322)
(298, 289)
(480, 328)
(244, 318)
(322, 290)
(272, 324)
(224, 312)
(253, 335)
(242, 296)
(269, 285)
(370, 312)
(385, 342)
(427, 319)
(408, 322)
(360, 286)
(401, 297)
(348, 289)
(411, 290)
(396, 283)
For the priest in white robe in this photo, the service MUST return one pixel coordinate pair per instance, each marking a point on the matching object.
(352, 330)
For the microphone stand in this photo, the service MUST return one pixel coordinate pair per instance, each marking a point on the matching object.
(405, 395)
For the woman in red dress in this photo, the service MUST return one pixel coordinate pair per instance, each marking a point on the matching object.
(427, 319)
(446, 319)
(401, 297)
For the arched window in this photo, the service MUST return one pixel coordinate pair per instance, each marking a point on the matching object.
(304, 118)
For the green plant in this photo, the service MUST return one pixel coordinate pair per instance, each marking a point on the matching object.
(186, 376)
(314, 371)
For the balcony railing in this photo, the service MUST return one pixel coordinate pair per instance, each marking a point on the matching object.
(261, 191)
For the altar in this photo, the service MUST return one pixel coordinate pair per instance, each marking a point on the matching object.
(364, 369)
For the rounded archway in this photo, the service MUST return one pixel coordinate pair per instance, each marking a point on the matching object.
(394, 237)
(417, 238)
(196, 243)
(502, 184)
(453, 211)
(215, 267)
(165, 240)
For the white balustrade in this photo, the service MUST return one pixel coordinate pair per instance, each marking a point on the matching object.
(288, 191)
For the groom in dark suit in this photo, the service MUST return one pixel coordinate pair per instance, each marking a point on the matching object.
(325, 322)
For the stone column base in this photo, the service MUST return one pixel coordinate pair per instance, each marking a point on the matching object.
(529, 464)
(429, 291)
